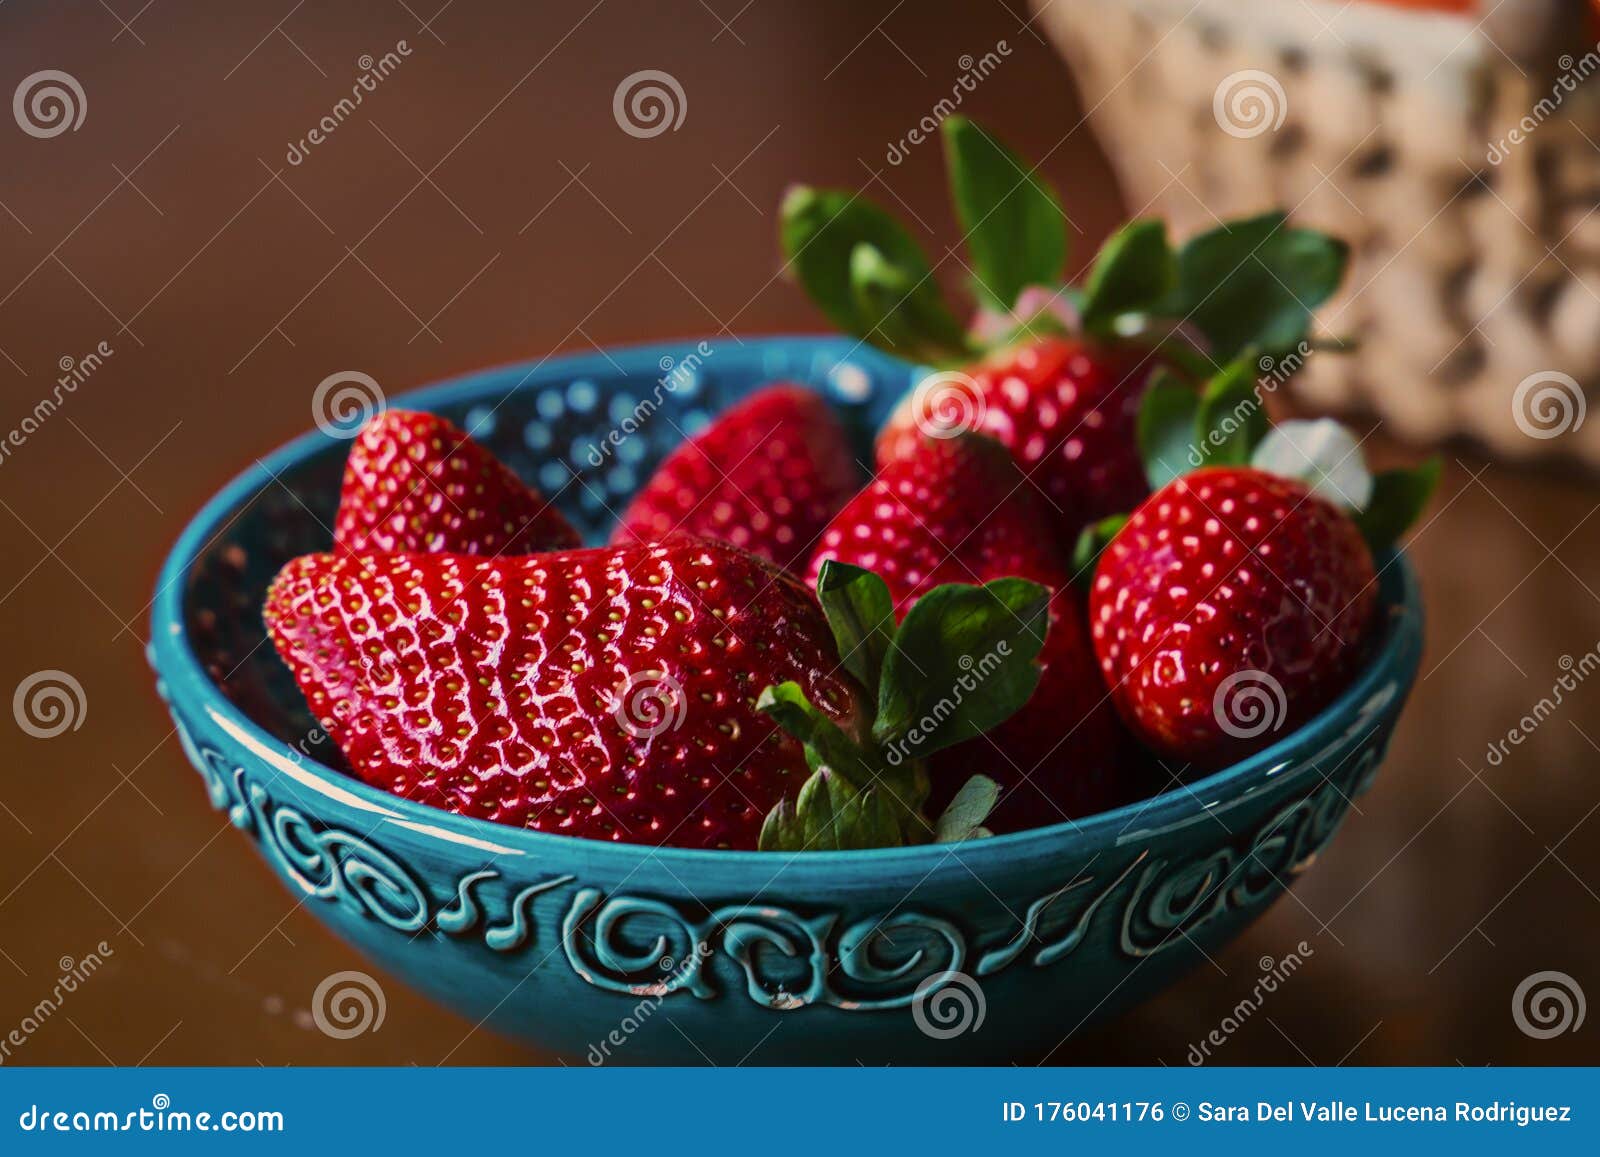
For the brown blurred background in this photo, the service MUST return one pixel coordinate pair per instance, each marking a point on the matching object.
(483, 205)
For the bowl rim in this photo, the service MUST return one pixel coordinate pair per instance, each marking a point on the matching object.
(1394, 658)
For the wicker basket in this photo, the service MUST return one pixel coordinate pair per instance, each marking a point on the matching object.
(1475, 277)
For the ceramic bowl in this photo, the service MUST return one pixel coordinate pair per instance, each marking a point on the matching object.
(991, 950)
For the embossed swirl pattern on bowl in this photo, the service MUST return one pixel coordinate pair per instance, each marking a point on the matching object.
(557, 940)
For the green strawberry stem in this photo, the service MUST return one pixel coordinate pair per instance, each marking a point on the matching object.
(961, 662)
(1224, 423)
(1247, 283)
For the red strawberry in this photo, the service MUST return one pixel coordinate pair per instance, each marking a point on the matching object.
(608, 693)
(766, 476)
(1066, 409)
(957, 510)
(416, 482)
(1232, 606)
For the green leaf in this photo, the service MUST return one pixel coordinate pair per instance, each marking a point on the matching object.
(900, 783)
(1092, 542)
(821, 229)
(1015, 230)
(961, 663)
(963, 818)
(1255, 282)
(1166, 427)
(1232, 417)
(829, 814)
(900, 314)
(860, 612)
(1133, 273)
(1398, 498)
(826, 743)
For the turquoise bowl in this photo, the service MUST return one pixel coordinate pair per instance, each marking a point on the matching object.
(993, 950)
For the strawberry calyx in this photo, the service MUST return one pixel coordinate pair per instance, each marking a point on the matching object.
(1225, 423)
(961, 662)
(1248, 283)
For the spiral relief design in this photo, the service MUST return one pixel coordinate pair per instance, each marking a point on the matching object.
(346, 401)
(785, 959)
(948, 403)
(1548, 404)
(49, 103)
(48, 703)
(648, 103)
(1548, 1004)
(348, 1004)
(1248, 103)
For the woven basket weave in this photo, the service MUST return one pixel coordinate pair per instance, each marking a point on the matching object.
(1475, 250)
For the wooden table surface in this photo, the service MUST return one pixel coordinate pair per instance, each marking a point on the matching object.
(480, 205)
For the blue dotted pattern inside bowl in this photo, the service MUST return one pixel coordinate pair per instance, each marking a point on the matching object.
(586, 431)
(752, 958)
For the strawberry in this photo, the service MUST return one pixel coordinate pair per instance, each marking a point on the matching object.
(1054, 372)
(416, 482)
(766, 476)
(1239, 598)
(1064, 407)
(957, 509)
(1230, 572)
(626, 693)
